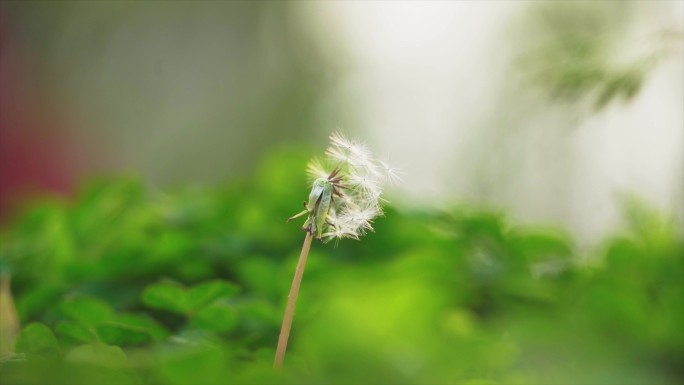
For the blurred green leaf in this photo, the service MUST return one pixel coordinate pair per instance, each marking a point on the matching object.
(205, 293)
(570, 52)
(190, 365)
(178, 299)
(97, 354)
(75, 331)
(217, 317)
(142, 322)
(166, 296)
(37, 340)
(114, 333)
(88, 311)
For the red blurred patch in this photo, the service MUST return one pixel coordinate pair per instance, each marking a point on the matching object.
(34, 156)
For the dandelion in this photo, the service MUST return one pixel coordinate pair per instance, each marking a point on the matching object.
(391, 173)
(349, 182)
(344, 200)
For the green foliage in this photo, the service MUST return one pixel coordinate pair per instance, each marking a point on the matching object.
(572, 51)
(124, 286)
(37, 340)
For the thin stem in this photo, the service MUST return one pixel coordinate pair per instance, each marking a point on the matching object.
(291, 303)
(9, 322)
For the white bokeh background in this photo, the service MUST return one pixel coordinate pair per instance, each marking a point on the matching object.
(434, 82)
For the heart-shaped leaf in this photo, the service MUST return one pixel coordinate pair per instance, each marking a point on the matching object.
(37, 339)
(88, 311)
(166, 296)
(97, 354)
(176, 298)
(75, 331)
(205, 293)
(217, 317)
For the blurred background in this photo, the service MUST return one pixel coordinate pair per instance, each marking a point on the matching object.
(151, 151)
(550, 111)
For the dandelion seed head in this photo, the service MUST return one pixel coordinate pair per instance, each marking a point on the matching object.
(316, 169)
(358, 181)
(339, 155)
(366, 184)
(338, 140)
(392, 174)
(340, 232)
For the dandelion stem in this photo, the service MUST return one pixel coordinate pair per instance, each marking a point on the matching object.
(291, 303)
